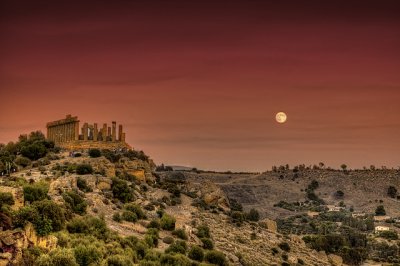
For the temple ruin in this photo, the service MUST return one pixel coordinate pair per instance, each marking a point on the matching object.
(65, 133)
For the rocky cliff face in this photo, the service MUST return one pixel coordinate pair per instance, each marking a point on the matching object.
(13, 242)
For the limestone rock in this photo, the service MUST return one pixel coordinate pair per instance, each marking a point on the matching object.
(214, 195)
(269, 224)
(335, 260)
(12, 242)
(103, 183)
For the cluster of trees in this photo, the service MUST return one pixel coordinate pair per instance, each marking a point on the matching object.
(311, 194)
(114, 156)
(349, 244)
(28, 148)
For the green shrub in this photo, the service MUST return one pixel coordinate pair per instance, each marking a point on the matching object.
(94, 153)
(216, 257)
(237, 217)
(253, 215)
(141, 249)
(119, 260)
(84, 169)
(380, 211)
(154, 224)
(88, 225)
(82, 185)
(181, 233)
(174, 260)
(129, 216)
(22, 161)
(167, 222)
(46, 216)
(62, 257)
(35, 192)
(49, 210)
(117, 217)
(151, 240)
(86, 255)
(391, 235)
(203, 231)
(75, 202)
(207, 243)
(177, 247)
(136, 209)
(235, 205)
(121, 190)
(6, 198)
(168, 240)
(313, 185)
(196, 253)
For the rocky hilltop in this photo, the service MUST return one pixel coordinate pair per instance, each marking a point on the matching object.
(171, 219)
(115, 207)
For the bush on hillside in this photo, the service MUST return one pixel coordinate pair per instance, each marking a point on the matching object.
(121, 190)
(75, 202)
(196, 253)
(94, 153)
(216, 257)
(84, 169)
(167, 222)
(6, 198)
(35, 192)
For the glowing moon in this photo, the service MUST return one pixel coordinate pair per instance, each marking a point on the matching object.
(281, 117)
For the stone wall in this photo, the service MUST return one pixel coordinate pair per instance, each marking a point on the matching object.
(83, 145)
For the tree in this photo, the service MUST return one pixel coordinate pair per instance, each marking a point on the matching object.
(339, 194)
(35, 192)
(253, 215)
(94, 153)
(6, 198)
(216, 257)
(121, 190)
(84, 169)
(196, 253)
(344, 167)
(167, 222)
(75, 202)
(380, 211)
(392, 191)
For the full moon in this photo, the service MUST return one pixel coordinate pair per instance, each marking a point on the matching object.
(281, 117)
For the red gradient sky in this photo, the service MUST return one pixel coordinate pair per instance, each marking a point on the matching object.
(198, 84)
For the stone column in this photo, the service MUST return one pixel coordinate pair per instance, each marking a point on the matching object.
(104, 132)
(114, 131)
(109, 132)
(76, 130)
(71, 131)
(95, 132)
(85, 131)
(120, 133)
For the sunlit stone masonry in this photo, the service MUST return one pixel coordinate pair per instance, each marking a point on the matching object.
(65, 134)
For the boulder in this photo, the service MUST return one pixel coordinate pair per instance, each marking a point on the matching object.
(335, 260)
(269, 224)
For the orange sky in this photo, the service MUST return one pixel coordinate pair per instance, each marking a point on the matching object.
(199, 84)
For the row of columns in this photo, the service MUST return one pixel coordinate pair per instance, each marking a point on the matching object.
(63, 132)
(105, 133)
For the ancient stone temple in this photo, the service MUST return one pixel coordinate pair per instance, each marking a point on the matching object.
(65, 133)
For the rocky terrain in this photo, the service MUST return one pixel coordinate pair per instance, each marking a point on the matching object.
(251, 243)
(104, 207)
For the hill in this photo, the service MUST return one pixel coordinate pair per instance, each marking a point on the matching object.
(113, 208)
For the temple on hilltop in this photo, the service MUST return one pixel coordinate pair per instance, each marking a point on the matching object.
(65, 134)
